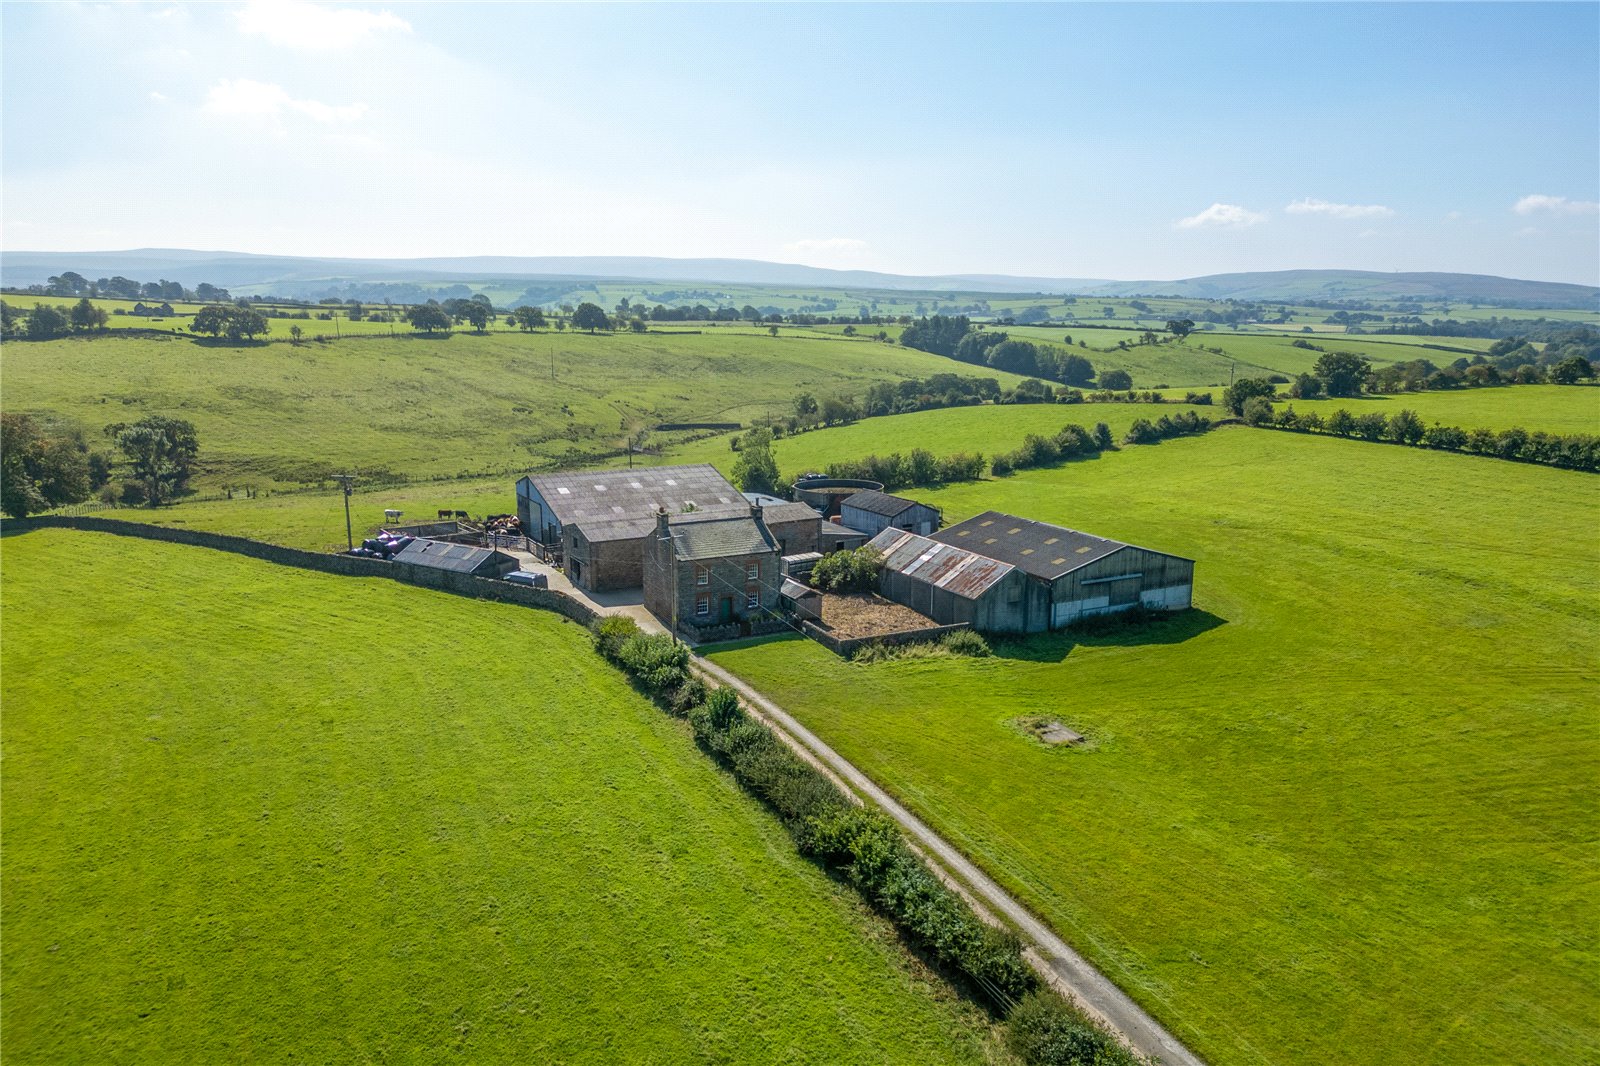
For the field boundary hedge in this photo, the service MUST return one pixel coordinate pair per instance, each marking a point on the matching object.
(481, 588)
(865, 848)
(1564, 451)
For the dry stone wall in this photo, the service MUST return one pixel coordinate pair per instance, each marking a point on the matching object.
(482, 588)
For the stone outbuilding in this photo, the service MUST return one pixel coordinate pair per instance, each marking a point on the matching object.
(872, 512)
(717, 575)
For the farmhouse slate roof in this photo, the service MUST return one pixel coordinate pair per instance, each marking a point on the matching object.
(608, 495)
(601, 530)
(784, 511)
(945, 566)
(442, 555)
(697, 536)
(1038, 548)
(875, 502)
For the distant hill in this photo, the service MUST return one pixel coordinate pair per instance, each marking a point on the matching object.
(301, 275)
(1292, 285)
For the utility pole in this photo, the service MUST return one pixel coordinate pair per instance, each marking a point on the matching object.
(347, 481)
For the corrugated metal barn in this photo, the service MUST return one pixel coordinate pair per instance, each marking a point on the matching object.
(872, 512)
(1085, 575)
(950, 585)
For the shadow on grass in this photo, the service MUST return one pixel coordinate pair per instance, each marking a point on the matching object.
(1054, 647)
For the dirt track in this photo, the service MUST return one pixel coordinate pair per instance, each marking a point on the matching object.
(1066, 970)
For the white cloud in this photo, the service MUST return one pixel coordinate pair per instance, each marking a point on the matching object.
(313, 27)
(1556, 205)
(241, 96)
(1310, 206)
(1222, 215)
(1454, 216)
(158, 97)
(834, 248)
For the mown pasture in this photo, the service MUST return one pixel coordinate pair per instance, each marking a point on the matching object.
(255, 813)
(270, 415)
(1341, 812)
(1550, 408)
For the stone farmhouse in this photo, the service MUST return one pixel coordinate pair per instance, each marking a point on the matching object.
(712, 577)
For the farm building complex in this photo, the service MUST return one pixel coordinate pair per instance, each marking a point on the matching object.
(714, 562)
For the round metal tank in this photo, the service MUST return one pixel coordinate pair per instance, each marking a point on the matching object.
(827, 493)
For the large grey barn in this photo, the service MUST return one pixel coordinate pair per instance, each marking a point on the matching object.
(602, 519)
(950, 585)
(1084, 575)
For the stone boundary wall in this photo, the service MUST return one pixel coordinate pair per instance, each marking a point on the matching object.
(482, 588)
(847, 647)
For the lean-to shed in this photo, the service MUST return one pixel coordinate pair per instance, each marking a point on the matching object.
(950, 585)
(457, 558)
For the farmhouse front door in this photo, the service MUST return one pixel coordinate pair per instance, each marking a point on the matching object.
(725, 612)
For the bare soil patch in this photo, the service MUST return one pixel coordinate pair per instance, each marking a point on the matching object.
(848, 616)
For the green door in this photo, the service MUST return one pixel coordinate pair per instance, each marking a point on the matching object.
(725, 614)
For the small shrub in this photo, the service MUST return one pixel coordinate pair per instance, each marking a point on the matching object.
(848, 571)
(966, 642)
(1045, 1030)
(658, 662)
(611, 632)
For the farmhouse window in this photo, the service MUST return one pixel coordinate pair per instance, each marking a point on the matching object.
(752, 571)
(702, 607)
(752, 600)
(702, 576)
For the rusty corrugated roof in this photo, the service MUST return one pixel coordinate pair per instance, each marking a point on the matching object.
(964, 573)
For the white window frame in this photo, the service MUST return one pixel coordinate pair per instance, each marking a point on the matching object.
(752, 601)
(752, 571)
(702, 576)
(702, 607)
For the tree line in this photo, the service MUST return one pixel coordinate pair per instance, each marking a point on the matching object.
(71, 283)
(43, 467)
(1574, 451)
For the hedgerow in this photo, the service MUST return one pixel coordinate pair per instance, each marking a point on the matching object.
(1575, 451)
(867, 850)
(1073, 441)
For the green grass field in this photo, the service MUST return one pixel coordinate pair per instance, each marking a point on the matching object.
(1551, 408)
(258, 814)
(1344, 811)
(274, 414)
(985, 430)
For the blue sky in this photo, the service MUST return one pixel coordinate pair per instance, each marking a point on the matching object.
(1116, 141)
